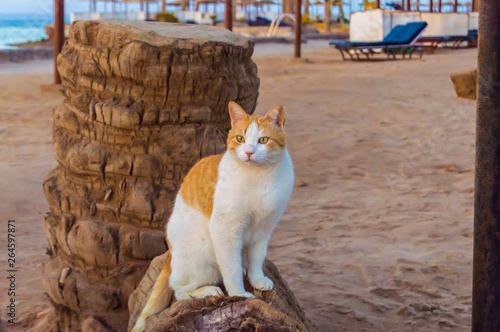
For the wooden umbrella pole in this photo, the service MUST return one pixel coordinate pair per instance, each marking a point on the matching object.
(298, 27)
(58, 35)
(228, 15)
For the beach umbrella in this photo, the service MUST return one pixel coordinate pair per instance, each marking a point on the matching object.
(468, 6)
(243, 4)
(164, 4)
(315, 4)
(142, 2)
(448, 3)
(417, 4)
(94, 4)
(261, 3)
(206, 3)
(340, 4)
(177, 3)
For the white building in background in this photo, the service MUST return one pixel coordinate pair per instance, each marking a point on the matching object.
(374, 25)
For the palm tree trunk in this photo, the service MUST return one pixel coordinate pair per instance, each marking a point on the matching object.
(107, 205)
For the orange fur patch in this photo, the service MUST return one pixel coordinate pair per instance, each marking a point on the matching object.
(276, 135)
(198, 187)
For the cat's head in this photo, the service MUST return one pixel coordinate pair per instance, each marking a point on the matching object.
(257, 140)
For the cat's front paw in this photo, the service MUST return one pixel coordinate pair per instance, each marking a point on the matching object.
(262, 283)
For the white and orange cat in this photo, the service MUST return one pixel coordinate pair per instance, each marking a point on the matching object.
(224, 214)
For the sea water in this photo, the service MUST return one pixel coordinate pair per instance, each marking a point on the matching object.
(20, 28)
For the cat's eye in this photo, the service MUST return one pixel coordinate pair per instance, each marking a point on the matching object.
(263, 140)
(240, 139)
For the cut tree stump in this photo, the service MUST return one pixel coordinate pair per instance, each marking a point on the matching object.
(143, 103)
(273, 311)
(465, 83)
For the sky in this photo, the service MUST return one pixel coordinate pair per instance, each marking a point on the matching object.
(46, 7)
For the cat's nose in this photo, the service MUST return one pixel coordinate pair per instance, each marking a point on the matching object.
(249, 154)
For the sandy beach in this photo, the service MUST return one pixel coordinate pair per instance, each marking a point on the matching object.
(378, 232)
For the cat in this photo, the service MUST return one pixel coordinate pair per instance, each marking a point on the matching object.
(224, 214)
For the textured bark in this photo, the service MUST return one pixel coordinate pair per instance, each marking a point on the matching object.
(486, 262)
(143, 103)
(272, 311)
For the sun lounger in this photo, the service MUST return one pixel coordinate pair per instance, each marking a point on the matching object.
(401, 40)
(431, 43)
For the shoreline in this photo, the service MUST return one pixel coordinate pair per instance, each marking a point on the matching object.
(20, 55)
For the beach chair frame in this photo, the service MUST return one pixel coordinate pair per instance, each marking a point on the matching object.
(453, 42)
(356, 52)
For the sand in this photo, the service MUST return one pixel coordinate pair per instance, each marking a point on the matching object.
(378, 232)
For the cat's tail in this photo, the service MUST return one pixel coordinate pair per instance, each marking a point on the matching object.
(160, 297)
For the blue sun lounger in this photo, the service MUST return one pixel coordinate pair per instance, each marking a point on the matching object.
(401, 40)
(433, 42)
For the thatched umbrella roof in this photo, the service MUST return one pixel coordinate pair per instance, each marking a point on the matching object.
(116, 1)
(139, 1)
(123, 1)
(208, 1)
(177, 3)
(262, 2)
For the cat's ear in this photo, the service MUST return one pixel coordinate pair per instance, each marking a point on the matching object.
(276, 115)
(236, 113)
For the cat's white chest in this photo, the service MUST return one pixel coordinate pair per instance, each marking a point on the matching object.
(259, 191)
